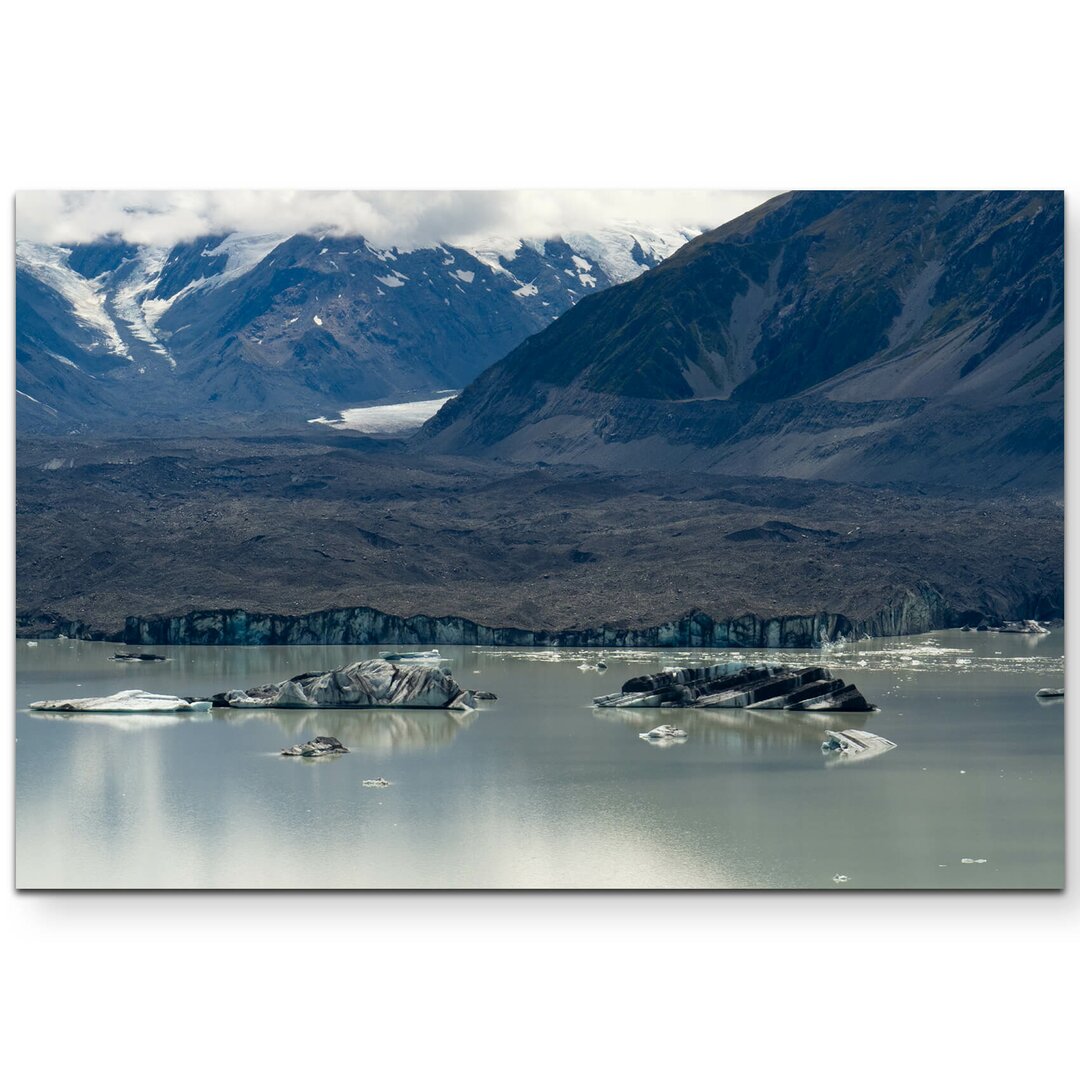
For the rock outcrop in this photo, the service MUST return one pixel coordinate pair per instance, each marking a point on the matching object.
(364, 684)
(733, 686)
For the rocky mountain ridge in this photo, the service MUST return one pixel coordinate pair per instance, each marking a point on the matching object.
(859, 336)
(111, 335)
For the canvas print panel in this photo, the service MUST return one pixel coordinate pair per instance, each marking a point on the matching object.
(540, 539)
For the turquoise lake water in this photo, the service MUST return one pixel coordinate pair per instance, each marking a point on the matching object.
(538, 789)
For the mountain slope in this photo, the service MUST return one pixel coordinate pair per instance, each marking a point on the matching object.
(867, 336)
(110, 334)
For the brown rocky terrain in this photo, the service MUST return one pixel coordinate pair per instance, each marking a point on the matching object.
(108, 529)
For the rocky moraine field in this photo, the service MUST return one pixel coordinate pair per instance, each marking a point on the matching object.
(112, 530)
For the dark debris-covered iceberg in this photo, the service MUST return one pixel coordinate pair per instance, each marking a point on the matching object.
(731, 686)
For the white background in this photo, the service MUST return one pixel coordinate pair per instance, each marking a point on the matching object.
(448, 95)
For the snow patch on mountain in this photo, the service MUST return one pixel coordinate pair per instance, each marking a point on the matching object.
(393, 280)
(49, 264)
(613, 248)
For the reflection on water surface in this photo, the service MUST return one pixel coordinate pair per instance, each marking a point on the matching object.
(537, 789)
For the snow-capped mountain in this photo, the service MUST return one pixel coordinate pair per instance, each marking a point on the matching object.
(113, 334)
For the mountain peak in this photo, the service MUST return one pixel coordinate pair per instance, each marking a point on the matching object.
(800, 338)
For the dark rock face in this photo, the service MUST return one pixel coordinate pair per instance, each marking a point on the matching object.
(730, 686)
(367, 626)
(911, 611)
(100, 257)
(187, 263)
(364, 626)
(365, 684)
(320, 746)
(915, 611)
(859, 336)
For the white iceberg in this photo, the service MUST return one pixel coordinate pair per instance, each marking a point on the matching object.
(663, 732)
(126, 701)
(854, 745)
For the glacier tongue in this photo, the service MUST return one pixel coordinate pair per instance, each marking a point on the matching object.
(49, 264)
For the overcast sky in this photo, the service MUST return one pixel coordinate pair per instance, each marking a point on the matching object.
(387, 218)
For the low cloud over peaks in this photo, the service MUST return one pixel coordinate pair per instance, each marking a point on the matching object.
(403, 219)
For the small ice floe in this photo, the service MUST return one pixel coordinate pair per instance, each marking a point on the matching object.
(31, 644)
(665, 732)
(138, 701)
(138, 658)
(839, 879)
(1049, 691)
(379, 781)
(431, 656)
(1024, 626)
(586, 666)
(969, 862)
(320, 746)
(854, 745)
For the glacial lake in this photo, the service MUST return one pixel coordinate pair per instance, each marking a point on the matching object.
(538, 789)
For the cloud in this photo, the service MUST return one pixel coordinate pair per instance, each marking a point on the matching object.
(403, 219)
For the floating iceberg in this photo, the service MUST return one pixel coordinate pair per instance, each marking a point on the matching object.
(662, 733)
(138, 658)
(430, 657)
(136, 701)
(734, 686)
(364, 684)
(1049, 691)
(320, 746)
(854, 745)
